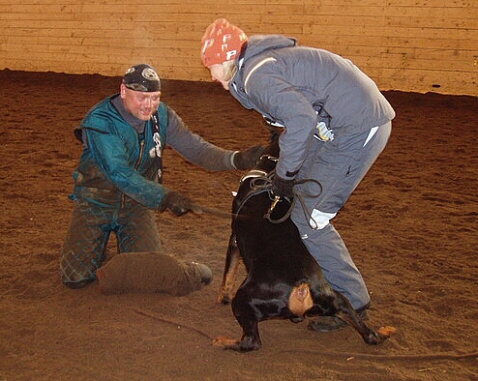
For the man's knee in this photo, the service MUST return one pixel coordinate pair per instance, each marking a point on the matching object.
(77, 284)
(75, 280)
(319, 220)
(317, 229)
(74, 273)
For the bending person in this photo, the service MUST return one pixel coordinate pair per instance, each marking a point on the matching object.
(336, 123)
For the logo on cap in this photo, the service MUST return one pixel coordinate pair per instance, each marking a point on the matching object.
(142, 78)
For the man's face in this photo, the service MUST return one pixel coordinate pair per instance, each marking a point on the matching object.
(138, 103)
(218, 75)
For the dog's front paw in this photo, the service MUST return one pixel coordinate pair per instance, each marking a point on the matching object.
(236, 345)
(225, 343)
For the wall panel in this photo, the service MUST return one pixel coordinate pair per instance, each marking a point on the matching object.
(410, 45)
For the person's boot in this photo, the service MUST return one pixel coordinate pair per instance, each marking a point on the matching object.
(333, 323)
(204, 272)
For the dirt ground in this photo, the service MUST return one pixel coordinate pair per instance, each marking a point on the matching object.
(411, 227)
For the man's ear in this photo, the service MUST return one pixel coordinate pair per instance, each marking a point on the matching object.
(122, 91)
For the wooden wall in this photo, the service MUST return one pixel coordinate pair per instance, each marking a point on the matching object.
(410, 45)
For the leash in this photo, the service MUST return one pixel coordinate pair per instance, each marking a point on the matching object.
(263, 183)
(199, 209)
(300, 197)
(297, 196)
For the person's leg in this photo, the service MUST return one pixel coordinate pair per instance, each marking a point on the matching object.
(339, 166)
(142, 266)
(84, 245)
(136, 229)
(152, 272)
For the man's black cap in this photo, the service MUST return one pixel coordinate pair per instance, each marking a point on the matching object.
(142, 78)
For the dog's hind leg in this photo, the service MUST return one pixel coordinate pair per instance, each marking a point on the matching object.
(351, 317)
(233, 260)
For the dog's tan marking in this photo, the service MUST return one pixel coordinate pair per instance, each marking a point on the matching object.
(300, 299)
(226, 293)
(387, 330)
(224, 342)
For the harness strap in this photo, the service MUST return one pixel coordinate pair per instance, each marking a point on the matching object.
(262, 182)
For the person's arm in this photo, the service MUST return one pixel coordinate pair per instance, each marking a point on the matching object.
(194, 148)
(109, 152)
(198, 151)
(284, 103)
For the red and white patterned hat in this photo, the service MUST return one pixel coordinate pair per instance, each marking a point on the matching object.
(221, 42)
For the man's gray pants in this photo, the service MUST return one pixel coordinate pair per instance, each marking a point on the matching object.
(339, 165)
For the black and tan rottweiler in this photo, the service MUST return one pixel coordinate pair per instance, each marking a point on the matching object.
(283, 280)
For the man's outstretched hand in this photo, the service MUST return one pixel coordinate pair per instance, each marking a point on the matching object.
(177, 203)
(248, 158)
